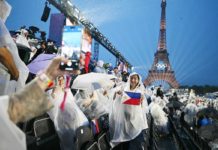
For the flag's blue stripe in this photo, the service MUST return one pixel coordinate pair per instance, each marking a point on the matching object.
(133, 95)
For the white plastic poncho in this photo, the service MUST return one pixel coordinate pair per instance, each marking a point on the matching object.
(190, 111)
(159, 116)
(7, 41)
(22, 40)
(66, 122)
(90, 104)
(106, 100)
(161, 102)
(11, 136)
(192, 95)
(5, 10)
(145, 104)
(127, 121)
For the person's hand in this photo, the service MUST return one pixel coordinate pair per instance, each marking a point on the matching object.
(105, 93)
(54, 71)
(141, 98)
(119, 92)
(87, 102)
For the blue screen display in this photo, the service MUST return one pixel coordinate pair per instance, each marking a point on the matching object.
(71, 40)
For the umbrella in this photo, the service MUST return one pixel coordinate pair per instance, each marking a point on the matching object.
(174, 104)
(210, 112)
(93, 81)
(40, 62)
(209, 132)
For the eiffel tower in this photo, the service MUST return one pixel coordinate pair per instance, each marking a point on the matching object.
(161, 68)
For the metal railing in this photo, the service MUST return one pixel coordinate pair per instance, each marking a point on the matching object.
(75, 15)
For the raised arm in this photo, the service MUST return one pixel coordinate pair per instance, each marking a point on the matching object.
(32, 100)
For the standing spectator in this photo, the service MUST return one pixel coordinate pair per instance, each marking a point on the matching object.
(41, 50)
(174, 97)
(117, 74)
(125, 76)
(100, 67)
(86, 48)
(50, 47)
(23, 45)
(30, 102)
(22, 38)
(159, 92)
(12, 61)
(128, 118)
(12, 73)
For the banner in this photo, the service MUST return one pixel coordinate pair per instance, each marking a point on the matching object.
(57, 22)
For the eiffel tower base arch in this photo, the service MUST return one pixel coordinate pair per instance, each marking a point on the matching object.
(168, 77)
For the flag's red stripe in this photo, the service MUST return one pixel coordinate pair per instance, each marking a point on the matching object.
(132, 101)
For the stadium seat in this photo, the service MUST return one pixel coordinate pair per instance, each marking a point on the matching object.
(84, 136)
(92, 145)
(103, 122)
(103, 141)
(45, 134)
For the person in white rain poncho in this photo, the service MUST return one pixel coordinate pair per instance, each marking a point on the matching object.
(159, 116)
(94, 96)
(29, 102)
(192, 95)
(89, 103)
(106, 98)
(67, 121)
(22, 38)
(190, 111)
(8, 45)
(100, 67)
(128, 117)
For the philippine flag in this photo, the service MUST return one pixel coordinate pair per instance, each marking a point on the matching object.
(131, 98)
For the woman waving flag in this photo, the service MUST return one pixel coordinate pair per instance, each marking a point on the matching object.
(128, 117)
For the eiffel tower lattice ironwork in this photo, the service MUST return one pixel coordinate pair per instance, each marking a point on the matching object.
(161, 68)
